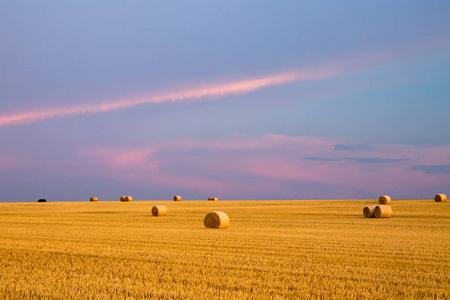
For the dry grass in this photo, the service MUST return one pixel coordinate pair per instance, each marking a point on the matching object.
(273, 250)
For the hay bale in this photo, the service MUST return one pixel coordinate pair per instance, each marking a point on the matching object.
(369, 211)
(440, 198)
(42, 200)
(385, 199)
(383, 211)
(213, 199)
(122, 199)
(128, 199)
(176, 198)
(159, 210)
(216, 219)
(93, 199)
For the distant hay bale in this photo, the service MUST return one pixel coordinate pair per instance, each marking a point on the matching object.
(440, 198)
(383, 211)
(176, 198)
(42, 200)
(369, 211)
(122, 199)
(213, 199)
(93, 199)
(159, 210)
(126, 199)
(385, 199)
(216, 219)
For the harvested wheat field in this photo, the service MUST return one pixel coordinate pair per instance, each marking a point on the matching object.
(271, 250)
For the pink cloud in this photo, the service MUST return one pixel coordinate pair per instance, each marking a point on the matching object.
(397, 177)
(122, 158)
(281, 158)
(213, 91)
(141, 166)
(230, 165)
(246, 142)
(355, 63)
(9, 161)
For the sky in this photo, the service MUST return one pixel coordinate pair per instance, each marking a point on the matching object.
(240, 100)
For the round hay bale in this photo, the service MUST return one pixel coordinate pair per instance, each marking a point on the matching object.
(216, 219)
(176, 198)
(159, 210)
(385, 199)
(42, 200)
(369, 211)
(383, 211)
(128, 199)
(93, 199)
(122, 199)
(440, 198)
(213, 199)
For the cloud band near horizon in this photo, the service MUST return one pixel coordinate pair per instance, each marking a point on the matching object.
(213, 91)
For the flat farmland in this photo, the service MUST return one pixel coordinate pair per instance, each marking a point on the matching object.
(296, 249)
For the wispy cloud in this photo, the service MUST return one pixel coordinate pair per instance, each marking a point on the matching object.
(122, 159)
(437, 169)
(249, 167)
(376, 160)
(314, 158)
(244, 142)
(347, 65)
(279, 157)
(213, 91)
(344, 147)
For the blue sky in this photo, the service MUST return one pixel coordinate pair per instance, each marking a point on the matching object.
(236, 99)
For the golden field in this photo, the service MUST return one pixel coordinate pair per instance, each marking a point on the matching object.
(271, 250)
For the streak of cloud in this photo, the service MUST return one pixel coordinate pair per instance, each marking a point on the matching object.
(344, 147)
(376, 160)
(214, 91)
(347, 65)
(436, 169)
